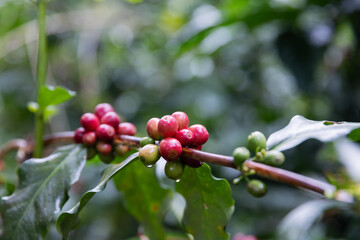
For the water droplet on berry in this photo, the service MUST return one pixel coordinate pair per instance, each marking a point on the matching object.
(149, 166)
(177, 180)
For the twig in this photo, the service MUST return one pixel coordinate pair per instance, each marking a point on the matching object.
(273, 173)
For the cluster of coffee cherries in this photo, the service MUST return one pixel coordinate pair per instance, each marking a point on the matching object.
(172, 133)
(98, 131)
(257, 143)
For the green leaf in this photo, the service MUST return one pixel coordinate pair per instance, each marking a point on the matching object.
(300, 129)
(69, 219)
(49, 112)
(355, 135)
(209, 205)
(144, 198)
(297, 224)
(49, 95)
(41, 192)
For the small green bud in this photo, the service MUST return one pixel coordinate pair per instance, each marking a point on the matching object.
(274, 157)
(174, 169)
(149, 154)
(240, 154)
(257, 141)
(256, 188)
(146, 140)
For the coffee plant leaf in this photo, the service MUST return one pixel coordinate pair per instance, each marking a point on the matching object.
(301, 129)
(41, 192)
(297, 224)
(49, 95)
(144, 198)
(209, 205)
(68, 220)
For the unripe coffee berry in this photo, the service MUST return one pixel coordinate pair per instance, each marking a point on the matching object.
(240, 154)
(121, 149)
(182, 120)
(126, 128)
(274, 158)
(78, 135)
(174, 170)
(104, 148)
(152, 128)
(107, 158)
(257, 141)
(167, 126)
(185, 137)
(201, 135)
(149, 154)
(90, 153)
(146, 140)
(256, 188)
(89, 121)
(111, 118)
(89, 138)
(105, 132)
(170, 149)
(103, 108)
(192, 162)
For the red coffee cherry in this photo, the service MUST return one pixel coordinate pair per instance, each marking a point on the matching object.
(78, 135)
(182, 120)
(167, 126)
(103, 108)
(201, 135)
(170, 149)
(104, 148)
(111, 118)
(89, 121)
(192, 162)
(121, 150)
(126, 128)
(105, 132)
(89, 138)
(152, 128)
(185, 137)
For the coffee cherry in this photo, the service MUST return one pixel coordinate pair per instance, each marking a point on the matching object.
(256, 188)
(274, 158)
(182, 120)
(152, 128)
(89, 138)
(126, 128)
(167, 126)
(257, 141)
(149, 154)
(90, 153)
(105, 132)
(146, 140)
(240, 154)
(170, 149)
(197, 147)
(201, 135)
(103, 108)
(111, 118)
(104, 148)
(121, 149)
(185, 137)
(174, 170)
(89, 121)
(107, 158)
(78, 135)
(192, 162)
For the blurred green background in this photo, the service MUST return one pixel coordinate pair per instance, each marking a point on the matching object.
(233, 66)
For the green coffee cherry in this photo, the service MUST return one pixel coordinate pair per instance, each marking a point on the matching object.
(146, 140)
(274, 158)
(149, 154)
(174, 169)
(90, 153)
(257, 141)
(256, 188)
(240, 154)
(107, 158)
